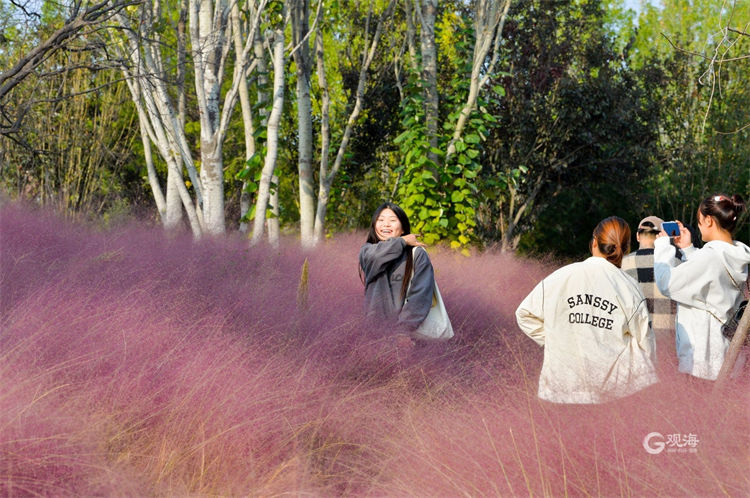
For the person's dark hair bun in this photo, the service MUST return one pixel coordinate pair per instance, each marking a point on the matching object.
(724, 209)
(612, 237)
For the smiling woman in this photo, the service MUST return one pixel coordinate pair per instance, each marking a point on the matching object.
(399, 282)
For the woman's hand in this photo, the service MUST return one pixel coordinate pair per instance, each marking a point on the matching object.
(685, 239)
(411, 240)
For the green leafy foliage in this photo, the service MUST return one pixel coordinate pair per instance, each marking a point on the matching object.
(441, 197)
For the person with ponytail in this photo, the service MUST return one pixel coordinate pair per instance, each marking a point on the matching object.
(399, 280)
(592, 320)
(706, 283)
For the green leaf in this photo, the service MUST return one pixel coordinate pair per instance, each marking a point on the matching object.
(499, 90)
(457, 196)
(430, 238)
(402, 137)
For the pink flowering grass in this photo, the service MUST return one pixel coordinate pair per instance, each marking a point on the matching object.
(137, 363)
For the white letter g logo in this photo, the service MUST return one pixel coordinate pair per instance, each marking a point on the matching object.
(657, 446)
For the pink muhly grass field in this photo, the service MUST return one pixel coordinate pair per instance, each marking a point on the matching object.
(138, 363)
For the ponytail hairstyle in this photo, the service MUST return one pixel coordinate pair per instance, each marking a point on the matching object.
(612, 236)
(724, 209)
(372, 238)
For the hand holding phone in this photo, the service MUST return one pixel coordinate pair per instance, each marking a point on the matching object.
(671, 228)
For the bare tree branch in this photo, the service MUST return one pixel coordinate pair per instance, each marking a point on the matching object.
(711, 76)
(28, 63)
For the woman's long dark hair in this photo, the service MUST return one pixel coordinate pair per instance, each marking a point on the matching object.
(372, 238)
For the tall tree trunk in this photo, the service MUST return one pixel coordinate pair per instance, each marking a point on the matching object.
(300, 31)
(177, 196)
(324, 186)
(182, 61)
(210, 32)
(410, 33)
(147, 81)
(207, 34)
(153, 178)
(245, 106)
(173, 212)
(272, 223)
(272, 133)
(427, 12)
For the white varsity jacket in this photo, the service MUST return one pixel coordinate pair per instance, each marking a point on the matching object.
(593, 322)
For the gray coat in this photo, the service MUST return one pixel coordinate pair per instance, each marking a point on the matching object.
(383, 265)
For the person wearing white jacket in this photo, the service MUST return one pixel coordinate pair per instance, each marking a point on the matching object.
(706, 284)
(592, 320)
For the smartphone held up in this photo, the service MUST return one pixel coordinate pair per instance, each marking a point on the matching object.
(672, 228)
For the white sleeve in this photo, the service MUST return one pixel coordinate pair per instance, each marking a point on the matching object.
(639, 326)
(530, 314)
(680, 281)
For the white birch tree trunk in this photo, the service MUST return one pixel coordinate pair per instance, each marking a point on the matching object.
(153, 178)
(210, 34)
(272, 133)
(247, 115)
(324, 185)
(208, 29)
(300, 31)
(147, 81)
(272, 223)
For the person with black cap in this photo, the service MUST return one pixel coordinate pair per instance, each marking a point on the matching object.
(639, 264)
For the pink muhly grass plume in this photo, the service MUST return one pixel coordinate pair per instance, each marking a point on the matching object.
(138, 363)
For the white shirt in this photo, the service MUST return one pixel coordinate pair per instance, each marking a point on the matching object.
(593, 322)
